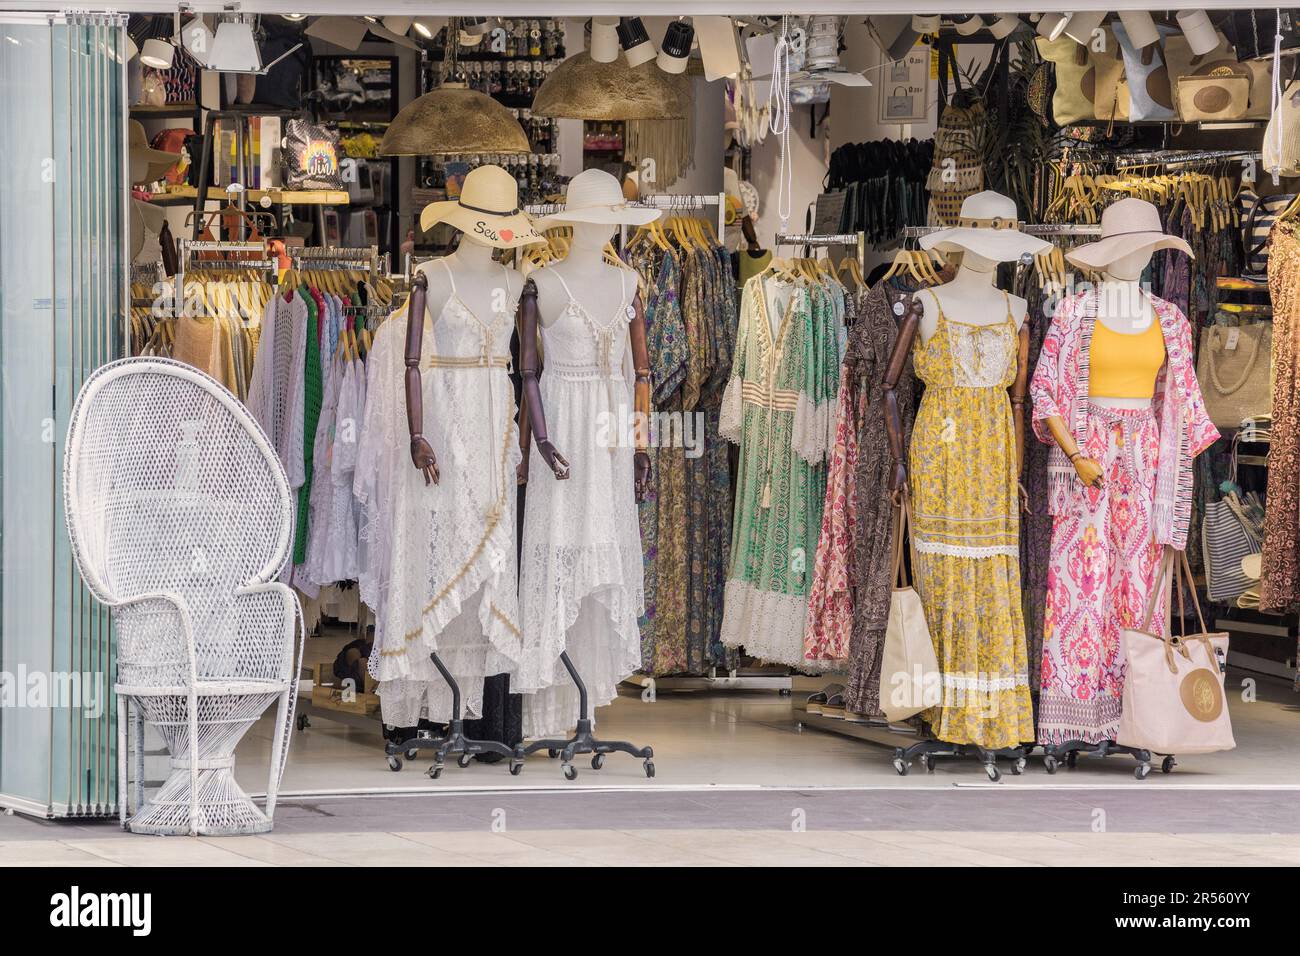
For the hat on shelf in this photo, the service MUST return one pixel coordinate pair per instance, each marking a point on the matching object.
(1130, 225)
(147, 164)
(987, 226)
(488, 210)
(595, 196)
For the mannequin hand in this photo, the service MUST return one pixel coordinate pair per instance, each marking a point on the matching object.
(521, 472)
(422, 456)
(643, 473)
(1024, 498)
(559, 465)
(898, 480)
(1089, 471)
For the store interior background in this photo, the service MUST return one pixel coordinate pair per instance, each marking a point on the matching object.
(740, 738)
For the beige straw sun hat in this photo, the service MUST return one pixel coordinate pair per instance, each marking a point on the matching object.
(487, 210)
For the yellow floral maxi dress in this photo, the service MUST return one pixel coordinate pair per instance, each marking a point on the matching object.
(966, 532)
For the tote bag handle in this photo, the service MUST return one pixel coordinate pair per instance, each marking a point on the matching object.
(901, 522)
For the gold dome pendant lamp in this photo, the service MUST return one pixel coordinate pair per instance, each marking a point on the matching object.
(581, 88)
(453, 119)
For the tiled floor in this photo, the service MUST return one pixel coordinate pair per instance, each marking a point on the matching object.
(738, 783)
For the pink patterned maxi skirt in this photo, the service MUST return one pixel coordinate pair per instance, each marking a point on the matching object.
(1103, 564)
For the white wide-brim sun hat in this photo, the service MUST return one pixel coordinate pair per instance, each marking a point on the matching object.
(987, 226)
(1129, 226)
(487, 211)
(594, 196)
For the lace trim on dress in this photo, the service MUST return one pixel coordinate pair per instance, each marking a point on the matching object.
(811, 422)
(966, 550)
(731, 420)
(969, 682)
(767, 624)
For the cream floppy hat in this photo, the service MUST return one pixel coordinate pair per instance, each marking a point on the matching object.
(1130, 225)
(595, 196)
(988, 226)
(488, 210)
(147, 164)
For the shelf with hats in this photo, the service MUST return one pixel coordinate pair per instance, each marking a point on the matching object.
(185, 196)
(165, 111)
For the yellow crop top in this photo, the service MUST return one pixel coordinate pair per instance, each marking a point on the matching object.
(1125, 365)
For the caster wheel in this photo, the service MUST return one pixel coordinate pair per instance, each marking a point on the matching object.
(994, 774)
(1143, 769)
(303, 722)
(552, 753)
(784, 692)
(597, 761)
(1019, 766)
(1051, 764)
(464, 760)
(1072, 759)
(394, 763)
(929, 763)
(570, 772)
(1168, 764)
(516, 767)
(900, 766)
(412, 754)
(649, 766)
(435, 772)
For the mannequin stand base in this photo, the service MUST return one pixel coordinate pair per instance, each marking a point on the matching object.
(453, 740)
(1068, 753)
(582, 741)
(928, 750)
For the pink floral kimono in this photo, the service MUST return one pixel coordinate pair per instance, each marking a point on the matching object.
(1107, 542)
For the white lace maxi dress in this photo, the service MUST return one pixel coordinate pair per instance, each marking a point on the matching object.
(438, 562)
(581, 585)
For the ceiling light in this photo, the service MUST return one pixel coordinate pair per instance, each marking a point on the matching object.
(581, 88)
(131, 48)
(157, 53)
(1202, 38)
(476, 26)
(924, 23)
(676, 47)
(1004, 26)
(1051, 25)
(234, 49)
(968, 24)
(294, 16)
(1139, 26)
(398, 25)
(425, 27)
(635, 41)
(604, 39)
(1081, 25)
(454, 119)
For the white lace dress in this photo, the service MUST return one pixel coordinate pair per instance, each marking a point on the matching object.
(438, 561)
(581, 585)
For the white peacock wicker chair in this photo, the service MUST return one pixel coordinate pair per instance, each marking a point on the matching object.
(181, 519)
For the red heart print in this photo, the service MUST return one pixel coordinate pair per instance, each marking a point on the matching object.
(507, 234)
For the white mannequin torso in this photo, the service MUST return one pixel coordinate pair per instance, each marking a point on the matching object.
(1123, 307)
(599, 286)
(971, 298)
(482, 283)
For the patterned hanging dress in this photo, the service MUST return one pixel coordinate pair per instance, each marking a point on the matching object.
(966, 532)
(778, 406)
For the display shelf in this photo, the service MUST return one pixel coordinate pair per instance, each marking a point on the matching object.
(166, 111)
(293, 197)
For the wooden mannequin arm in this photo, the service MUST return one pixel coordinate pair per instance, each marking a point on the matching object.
(641, 399)
(531, 368)
(893, 420)
(1018, 389)
(421, 452)
(1089, 471)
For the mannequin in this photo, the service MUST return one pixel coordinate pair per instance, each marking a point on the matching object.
(1123, 308)
(581, 586)
(970, 293)
(959, 482)
(479, 279)
(583, 268)
(1115, 392)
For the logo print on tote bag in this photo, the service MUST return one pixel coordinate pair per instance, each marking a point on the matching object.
(1201, 695)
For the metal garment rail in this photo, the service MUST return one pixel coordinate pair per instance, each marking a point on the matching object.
(1043, 230)
(187, 248)
(732, 680)
(343, 258)
(858, 240)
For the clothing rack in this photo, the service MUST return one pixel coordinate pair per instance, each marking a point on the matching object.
(674, 201)
(731, 680)
(1042, 230)
(858, 240)
(1189, 157)
(340, 258)
(188, 248)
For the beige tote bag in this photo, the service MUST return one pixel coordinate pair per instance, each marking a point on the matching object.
(909, 669)
(1235, 372)
(1174, 701)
